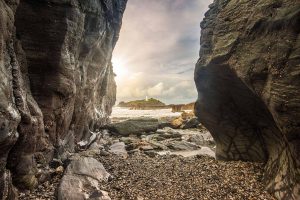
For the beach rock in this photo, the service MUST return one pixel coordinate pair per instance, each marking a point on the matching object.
(119, 149)
(146, 148)
(80, 188)
(171, 135)
(82, 180)
(191, 123)
(55, 163)
(87, 166)
(181, 145)
(168, 133)
(201, 139)
(66, 146)
(104, 153)
(187, 115)
(177, 123)
(103, 139)
(84, 144)
(158, 146)
(164, 124)
(129, 140)
(248, 84)
(135, 126)
(96, 146)
(59, 170)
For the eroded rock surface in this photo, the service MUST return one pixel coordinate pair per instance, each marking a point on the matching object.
(135, 126)
(248, 80)
(82, 180)
(57, 80)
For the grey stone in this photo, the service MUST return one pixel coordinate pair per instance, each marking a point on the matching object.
(80, 188)
(82, 180)
(182, 145)
(119, 149)
(136, 126)
(191, 123)
(87, 166)
(201, 139)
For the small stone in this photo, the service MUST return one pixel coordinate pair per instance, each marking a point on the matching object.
(146, 148)
(177, 123)
(59, 170)
(104, 153)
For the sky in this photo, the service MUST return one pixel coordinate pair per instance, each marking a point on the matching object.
(157, 50)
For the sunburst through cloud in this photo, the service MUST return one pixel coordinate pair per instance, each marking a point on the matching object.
(157, 51)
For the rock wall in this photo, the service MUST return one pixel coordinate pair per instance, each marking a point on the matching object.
(57, 81)
(248, 81)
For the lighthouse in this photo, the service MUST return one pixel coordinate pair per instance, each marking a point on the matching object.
(146, 98)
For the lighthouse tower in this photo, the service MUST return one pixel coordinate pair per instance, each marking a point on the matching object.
(146, 98)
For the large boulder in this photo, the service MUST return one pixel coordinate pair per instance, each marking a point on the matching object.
(136, 126)
(248, 83)
(82, 180)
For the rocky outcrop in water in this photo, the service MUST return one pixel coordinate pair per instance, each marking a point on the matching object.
(248, 80)
(57, 81)
(182, 107)
(144, 104)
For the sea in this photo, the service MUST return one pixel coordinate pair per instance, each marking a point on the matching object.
(125, 113)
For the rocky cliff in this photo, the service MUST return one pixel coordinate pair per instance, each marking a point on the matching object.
(248, 81)
(57, 81)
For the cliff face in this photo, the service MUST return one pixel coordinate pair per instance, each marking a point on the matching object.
(57, 80)
(248, 80)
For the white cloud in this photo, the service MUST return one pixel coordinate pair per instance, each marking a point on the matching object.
(157, 90)
(158, 46)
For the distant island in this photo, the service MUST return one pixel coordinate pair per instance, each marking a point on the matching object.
(152, 104)
(144, 104)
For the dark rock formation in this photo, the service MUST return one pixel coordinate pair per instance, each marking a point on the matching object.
(191, 123)
(248, 80)
(135, 126)
(182, 107)
(57, 81)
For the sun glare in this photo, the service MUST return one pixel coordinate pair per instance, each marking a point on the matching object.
(120, 69)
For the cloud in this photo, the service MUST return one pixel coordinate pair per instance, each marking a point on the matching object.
(184, 71)
(158, 46)
(157, 90)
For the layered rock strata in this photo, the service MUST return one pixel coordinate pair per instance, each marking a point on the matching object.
(57, 81)
(248, 81)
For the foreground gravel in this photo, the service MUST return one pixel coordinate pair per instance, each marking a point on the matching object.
(170, 177)
(140, 177)
(44, 191)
